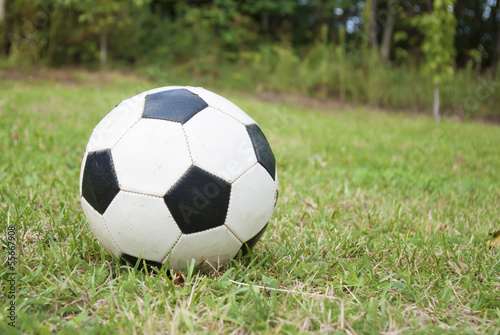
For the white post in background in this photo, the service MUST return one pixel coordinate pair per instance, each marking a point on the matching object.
(435, 108)
(2, 10)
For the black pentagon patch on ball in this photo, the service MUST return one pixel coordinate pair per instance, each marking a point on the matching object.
(99, 183)
(198, 201)
(262, 149)
(178, 105)
(252, 242)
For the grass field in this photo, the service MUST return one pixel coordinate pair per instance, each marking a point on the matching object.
(380, 226)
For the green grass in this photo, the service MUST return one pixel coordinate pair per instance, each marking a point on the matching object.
(380, 226)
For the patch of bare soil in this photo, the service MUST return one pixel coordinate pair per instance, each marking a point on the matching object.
(302, 100)
(331, 104)
(100, 78)
(67, 76)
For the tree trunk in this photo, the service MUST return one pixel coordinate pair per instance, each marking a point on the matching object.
(2, 10)
(373, 24)
(103, 48)
(435, 108)
(385, 51)
(496, 20)
(264, 21)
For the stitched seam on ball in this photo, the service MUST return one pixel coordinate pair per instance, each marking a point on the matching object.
(195, 93)
(206, 230)
(231, 116)
(170, 215)
(169, 252)
(228, 228)
(243, 173)
(128, 129)
(268, 215)
(271, 210)
(220, 110)
(103, 220)
(125, 133)
(188, 145)
(139, 193)
(114, 173)
(216, 176)
(208, 105)
(230, 196)
(210, 173)
(109, 234)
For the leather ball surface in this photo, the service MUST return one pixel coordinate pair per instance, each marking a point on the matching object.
(177, 174)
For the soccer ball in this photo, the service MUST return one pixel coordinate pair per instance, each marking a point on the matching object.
(177, 174)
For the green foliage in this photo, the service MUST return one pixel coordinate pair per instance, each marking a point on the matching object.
(307, 48)
(438, 45)
(258, 6)
(329, 71)
(99, 16)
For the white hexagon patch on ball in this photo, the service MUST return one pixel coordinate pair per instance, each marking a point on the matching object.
(178, 174)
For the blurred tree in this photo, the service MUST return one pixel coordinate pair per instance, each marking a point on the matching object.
(373, 24)
(101, 17)
(2, 10)
(25, 24)
(307, 19)
(475, 39)
(439, 28)
(267, 10)
(387, 18)
(2, 18)
(496, 18)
